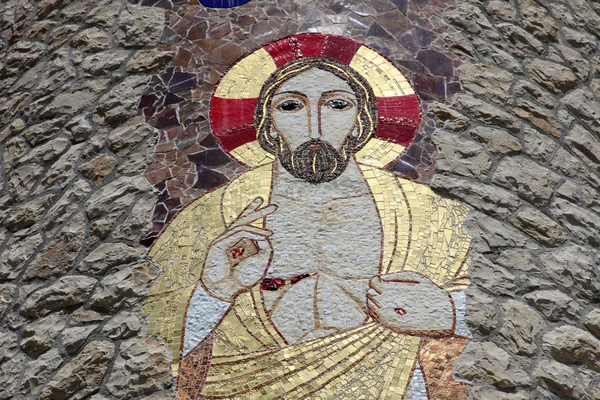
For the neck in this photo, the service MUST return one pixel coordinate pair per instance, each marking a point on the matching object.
(349, 184)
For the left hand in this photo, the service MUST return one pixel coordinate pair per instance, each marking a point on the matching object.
(408, 302)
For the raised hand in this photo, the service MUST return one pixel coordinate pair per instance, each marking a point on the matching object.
(407, 302)
(240, 256)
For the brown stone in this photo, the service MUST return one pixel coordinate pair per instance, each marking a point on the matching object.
(97, 168)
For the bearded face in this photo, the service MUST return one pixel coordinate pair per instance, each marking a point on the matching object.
(313, 117)
(315, 160)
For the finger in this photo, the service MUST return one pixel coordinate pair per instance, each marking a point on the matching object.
(405, 277)
(254, 215)
(236, 237)
(249, 228)
(375, 284)
(371, 299)
(253, 206)
(264, 245)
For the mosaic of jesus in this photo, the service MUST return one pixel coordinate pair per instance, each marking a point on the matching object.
(317, 273)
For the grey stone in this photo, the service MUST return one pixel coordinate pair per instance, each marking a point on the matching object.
(86, 316)
(58, 256)
(449, 117)
(124, 325)
(581, 222)
(487, 81)
(521, 39)
(27, 214)
(485, 393)
(108, 255)
(496, 141)
(16, 254)
(539, 226)
(525, 88)
(22, 179)
(537, 20)
(104, 14)
(137, 161)
(492, 277)
(41, 132)
(481, 316)
(64, 207)
(39, 335)
(567, 164)
(120, 102)
(577, 61)
(492, 200)
(572, 267)
(124, 139)
(521, 325)
(585, 144)
(592, 321)
(21, 55)
(471, 19)
(560, 379)
(487, 113)
(47, 152)
(580, 40)
(116, 195)
(7, 293)
(528, 179)
(11, 364)
(61, 172)
(56, 73)
(555, 305)
(10, 105)
(582, 103)
(104, 62)
(73, 338)
(65, 292)
(125, 287)
(585, 16)
(553, 76)
(39, 370)
(79, 128)
(148, 60)
(570, 344)
(103, 226)
(537, 145)
(81, 95)
(139, 26)
(98, 168)
(489, 233)
(502, 10)
(141, 367)
(485, 362)
(91, 39)
(137, 224)
(82, 375)
(461, 156)
(570, 191)
(13, 149)
(538, 116)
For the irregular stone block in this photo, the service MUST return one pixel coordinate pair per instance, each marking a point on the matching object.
(40, 335)
(108, 255)
(65, 292)
(570, 344)
(555, 305)
(521, 324)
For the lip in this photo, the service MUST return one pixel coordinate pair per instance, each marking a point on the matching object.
(315, 147)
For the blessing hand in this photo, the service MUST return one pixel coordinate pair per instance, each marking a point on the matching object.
(407, 302)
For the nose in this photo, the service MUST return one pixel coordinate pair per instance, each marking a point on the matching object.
(314, 127)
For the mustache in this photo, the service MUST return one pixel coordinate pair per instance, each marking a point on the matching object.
(315, 160)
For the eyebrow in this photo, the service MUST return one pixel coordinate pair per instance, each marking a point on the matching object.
(338, 91)
(291, 92)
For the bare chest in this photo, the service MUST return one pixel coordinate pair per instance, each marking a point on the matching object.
(341, 238)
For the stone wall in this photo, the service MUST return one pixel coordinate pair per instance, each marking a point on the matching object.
(519, 144)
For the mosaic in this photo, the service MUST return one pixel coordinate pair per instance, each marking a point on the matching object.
(206, 41)
(315, 272)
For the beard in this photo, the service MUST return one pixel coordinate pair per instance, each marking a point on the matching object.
(315, 161)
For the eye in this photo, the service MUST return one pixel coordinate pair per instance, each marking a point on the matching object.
(338, 104)
(290, 105)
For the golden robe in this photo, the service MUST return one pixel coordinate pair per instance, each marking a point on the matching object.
(245, 357)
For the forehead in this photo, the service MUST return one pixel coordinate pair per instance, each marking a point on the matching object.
(315, 81)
